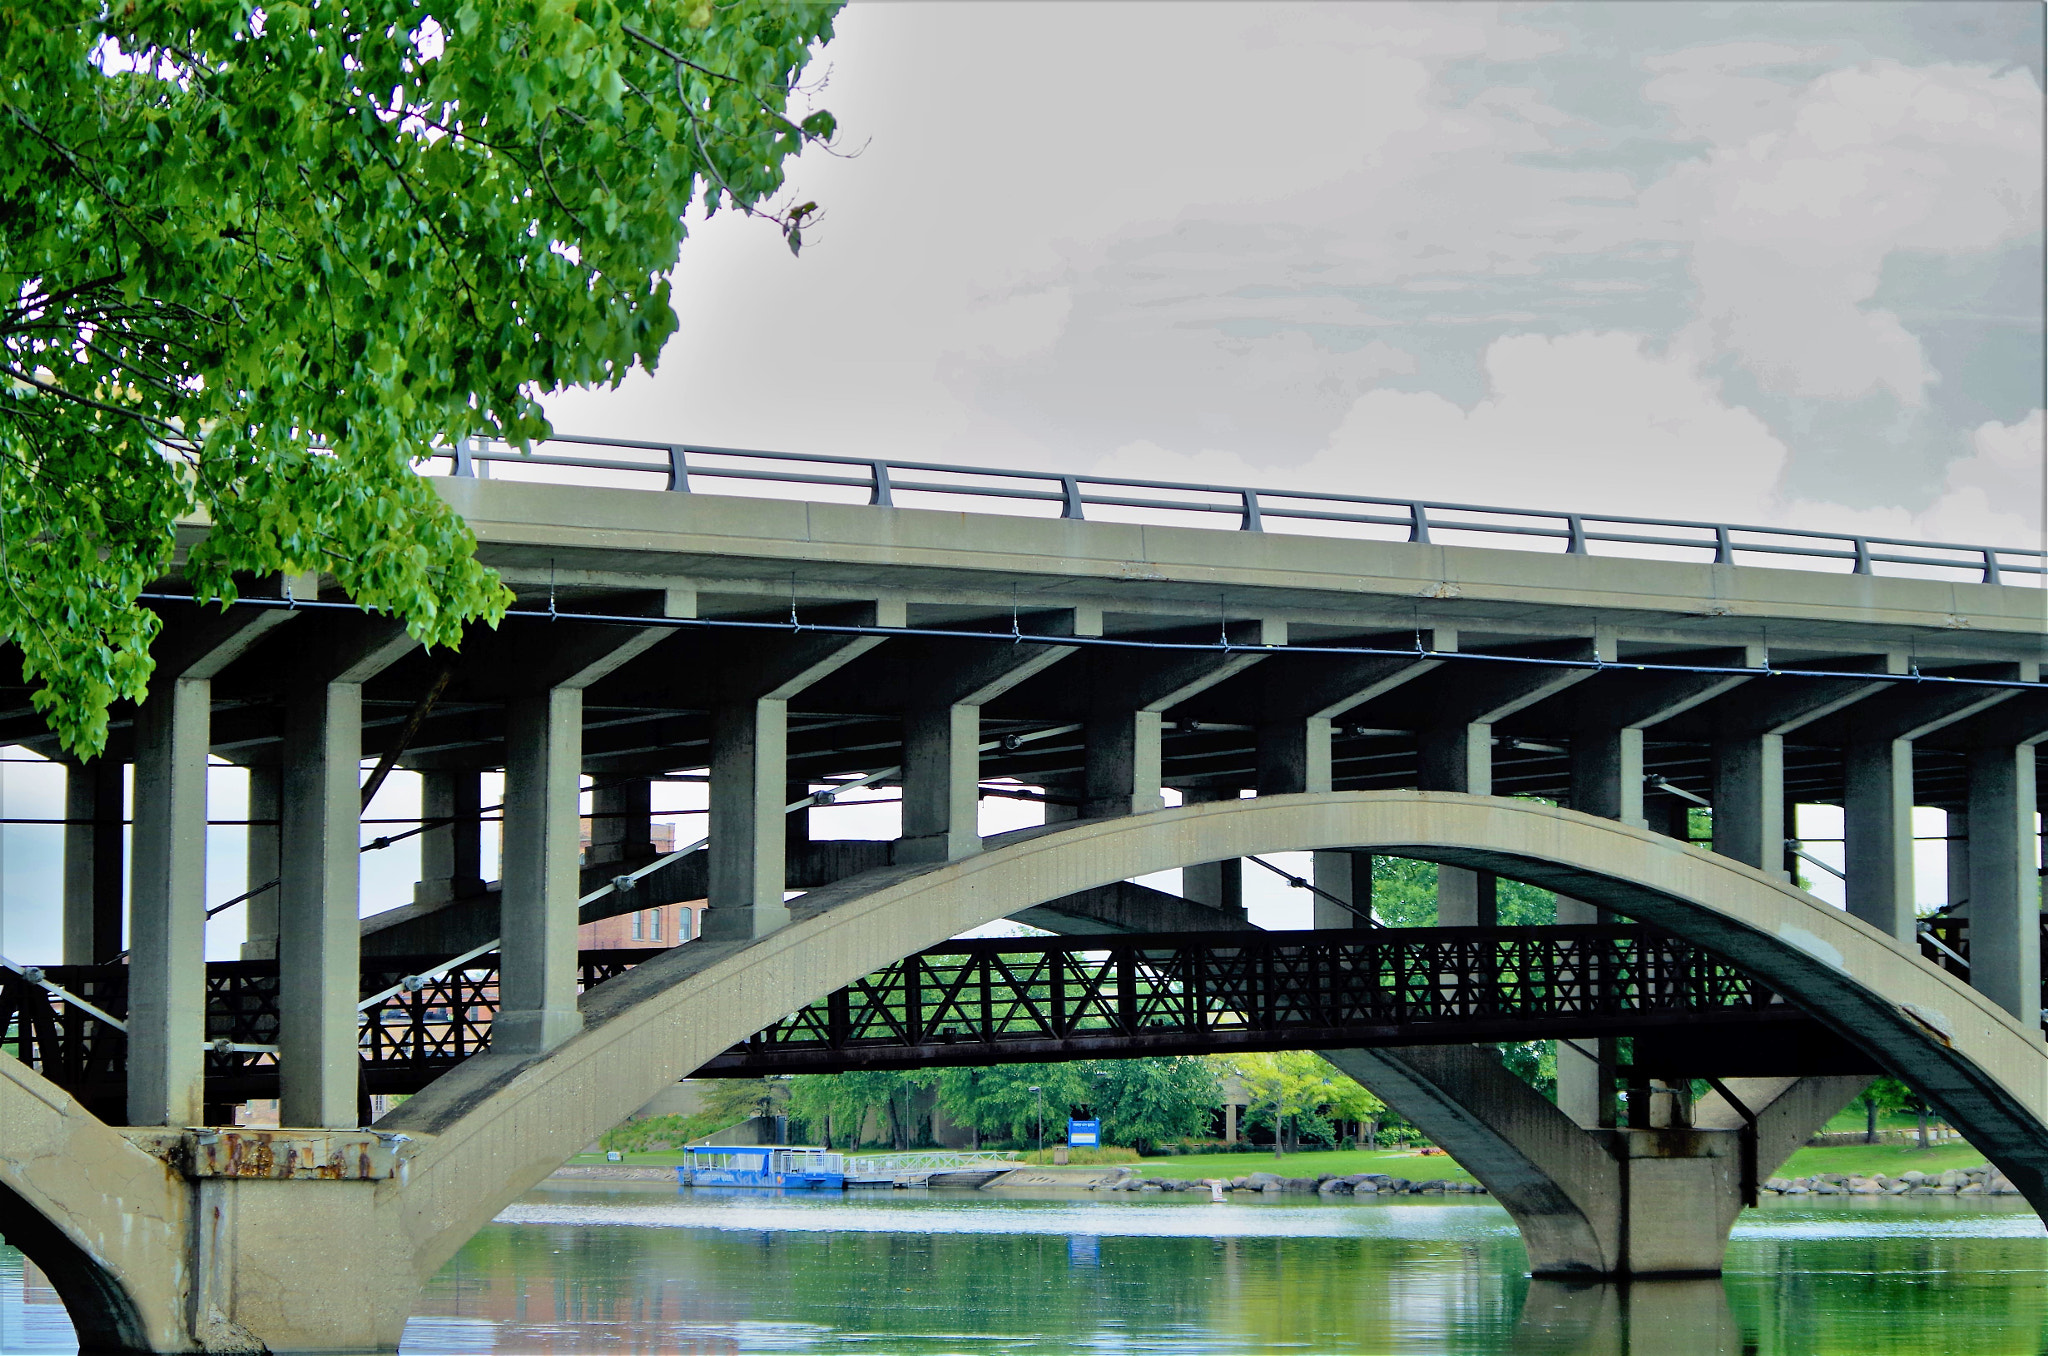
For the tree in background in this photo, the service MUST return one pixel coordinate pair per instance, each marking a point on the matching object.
(1886, 1093)
(231, 235)
(997, 1103)
(729, 1101)
(1404, 896)
(835, 1107)
(1299, 1094)
(1143, 1102)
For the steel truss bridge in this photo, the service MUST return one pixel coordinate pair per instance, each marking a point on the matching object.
(1011, 1000)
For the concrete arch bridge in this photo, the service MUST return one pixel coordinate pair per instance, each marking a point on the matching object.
(1341, 697)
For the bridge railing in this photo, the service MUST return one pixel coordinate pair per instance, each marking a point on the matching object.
(940, 1160)
(978, 996)
(890, 482)
(987, 1000)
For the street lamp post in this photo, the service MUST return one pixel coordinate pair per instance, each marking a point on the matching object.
(1038, 1100)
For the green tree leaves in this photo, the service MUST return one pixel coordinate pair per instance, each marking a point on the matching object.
(256, 264)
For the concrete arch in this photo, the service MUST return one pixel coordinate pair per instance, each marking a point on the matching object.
(500, 1123)
(104, 1219)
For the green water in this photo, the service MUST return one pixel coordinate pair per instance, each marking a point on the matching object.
(645, 1269)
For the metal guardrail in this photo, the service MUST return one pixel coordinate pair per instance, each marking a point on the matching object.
(887, 481)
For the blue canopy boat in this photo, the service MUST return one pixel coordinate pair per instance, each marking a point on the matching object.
(762, 1165)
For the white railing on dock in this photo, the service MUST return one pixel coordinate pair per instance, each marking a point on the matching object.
(884, 1165)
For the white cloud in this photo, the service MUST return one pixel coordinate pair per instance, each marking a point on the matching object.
(1791, 219)
(1590, 422)
(1997, 496)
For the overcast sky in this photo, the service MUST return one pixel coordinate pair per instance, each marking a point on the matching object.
(1769, 262)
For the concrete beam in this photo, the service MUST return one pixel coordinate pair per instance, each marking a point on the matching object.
(1877, 818)
(1126, 695)
(94, 910)
(317, 898)
(1214, 885)
(750, 766)
(2005, 880)
(1750, 726)
(1608, 721)
(263, 860)
(167, 893)
(543, 785)
(942, 732)
(451, 852)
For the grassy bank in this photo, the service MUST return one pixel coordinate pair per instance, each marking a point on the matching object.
(1865, 1160)
(1338, 1163)
(1860, 1160)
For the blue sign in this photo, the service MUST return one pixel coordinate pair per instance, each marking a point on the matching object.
(1084, 1134)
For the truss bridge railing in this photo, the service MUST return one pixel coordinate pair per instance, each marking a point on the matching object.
(985, 1001)
(997, 1000)
(895, 483)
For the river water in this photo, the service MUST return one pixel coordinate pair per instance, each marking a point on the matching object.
(643, 1268)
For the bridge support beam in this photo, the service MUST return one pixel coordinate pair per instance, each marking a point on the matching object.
(750, 767)
(262, 860)
(622, 821)
(1597, 1204)
(93, 906)
(451, 852)
(942, 733)
(1214, 885)
(543, 737)
(167, 893)
(1877, 820)
(317, 906)
(2005, 881)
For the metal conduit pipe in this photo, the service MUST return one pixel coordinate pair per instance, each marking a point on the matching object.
(1224, 646)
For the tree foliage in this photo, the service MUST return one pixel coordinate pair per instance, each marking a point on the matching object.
(1404, 896)
(1300, 1095)
(255, 262)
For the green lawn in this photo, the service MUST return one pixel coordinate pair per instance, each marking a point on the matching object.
(1865, 1160)
(1858, 1159)
(1338, 1163)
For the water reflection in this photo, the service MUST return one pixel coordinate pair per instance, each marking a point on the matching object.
(641, 1270)
(1587, 1319)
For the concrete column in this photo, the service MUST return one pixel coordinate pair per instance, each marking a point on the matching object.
(749, 771)
(1585, 1068)
(1122, 764)
(451, 853)
(2005, 888)
(167, 952)
(1877, 818)
(1958, 844)
(1460, 758)
(93, 860)
(1466, 899)
(1293, 756)
(796, 824)
(537, 977)
(941, 783)
(1217, 885)
(317, 908)
(1749, 799)
(1607, 773)
(1347, 875)
(1457, 758)
(262, 861)
(622, 821)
